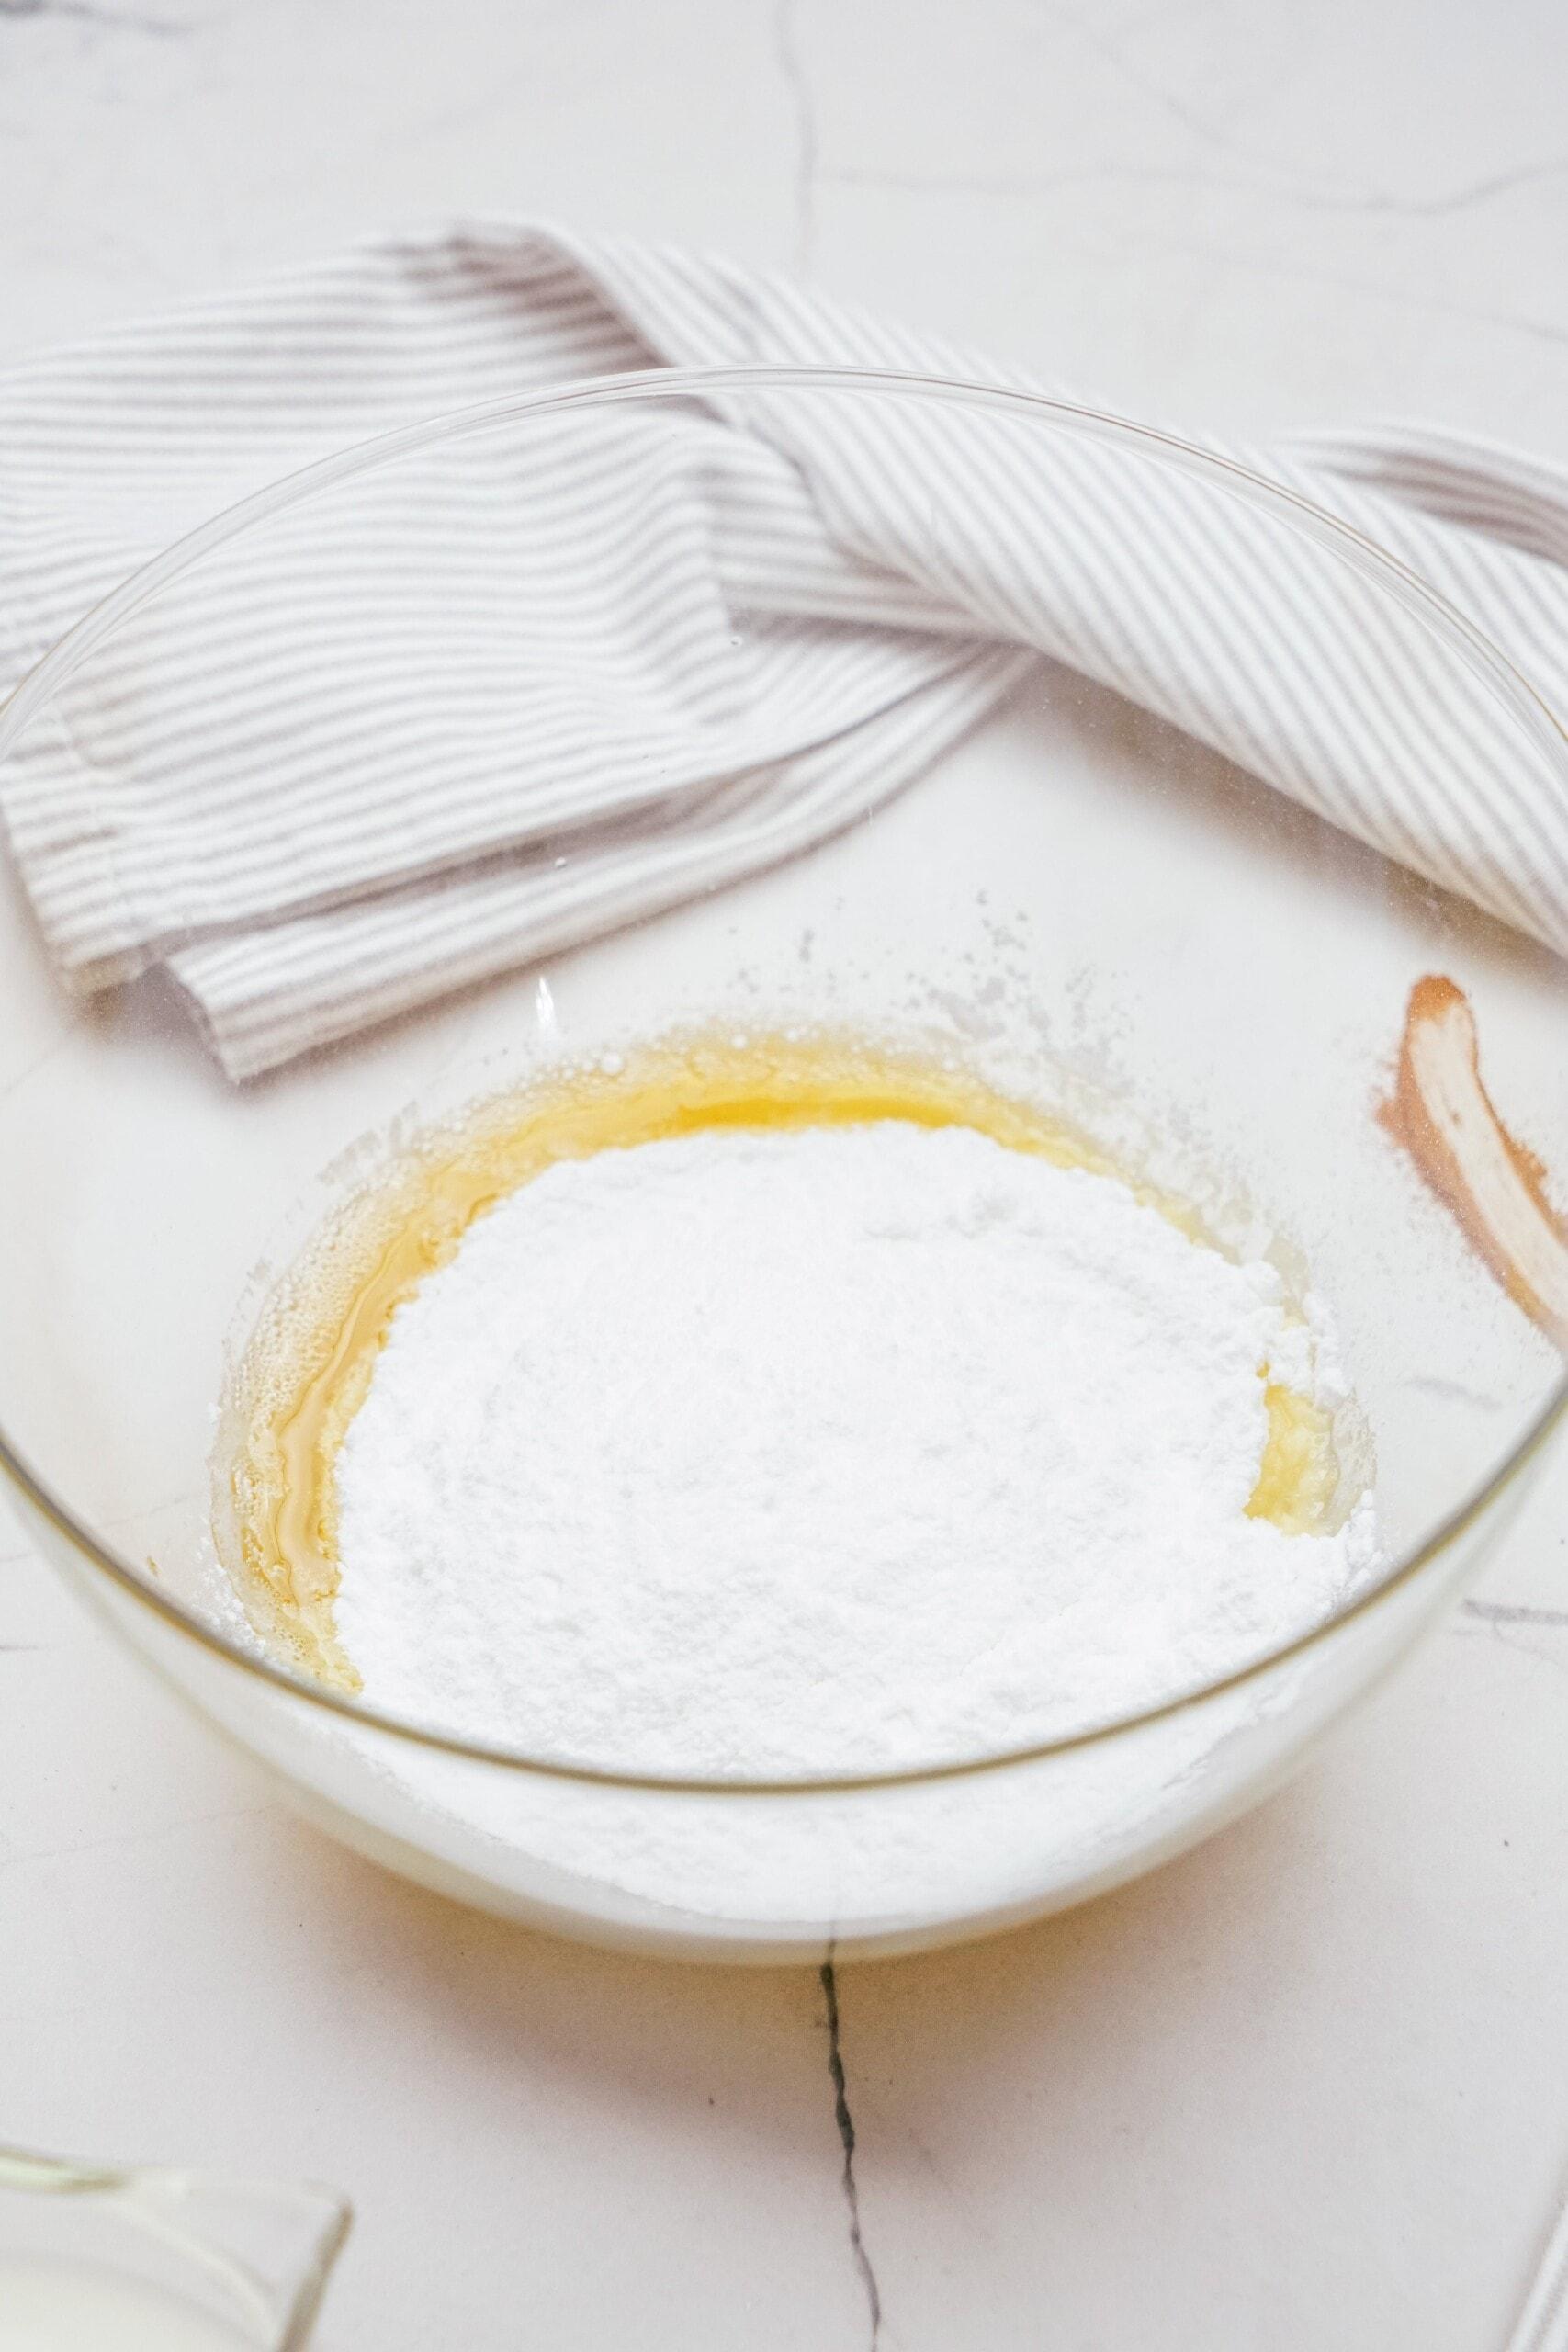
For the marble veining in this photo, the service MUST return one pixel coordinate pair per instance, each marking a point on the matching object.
(1303, 2088)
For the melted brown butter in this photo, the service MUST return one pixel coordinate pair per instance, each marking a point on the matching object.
(311, 1360)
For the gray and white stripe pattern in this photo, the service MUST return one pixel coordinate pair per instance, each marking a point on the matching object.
(518, 690)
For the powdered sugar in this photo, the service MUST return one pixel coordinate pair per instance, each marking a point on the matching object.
(829, 1448)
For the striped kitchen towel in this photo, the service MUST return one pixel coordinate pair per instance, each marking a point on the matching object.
(524, 687)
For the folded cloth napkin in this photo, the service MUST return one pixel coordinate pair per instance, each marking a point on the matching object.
(533, 685)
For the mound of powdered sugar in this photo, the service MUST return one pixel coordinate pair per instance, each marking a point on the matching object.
(829, 1449)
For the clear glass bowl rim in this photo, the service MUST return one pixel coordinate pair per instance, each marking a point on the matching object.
(1361, 553)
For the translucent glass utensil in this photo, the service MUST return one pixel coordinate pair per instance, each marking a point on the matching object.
(155, 2259)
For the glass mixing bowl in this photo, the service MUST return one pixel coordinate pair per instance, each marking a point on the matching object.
(1081, 902)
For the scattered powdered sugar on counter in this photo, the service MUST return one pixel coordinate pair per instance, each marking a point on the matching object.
(832, 1449)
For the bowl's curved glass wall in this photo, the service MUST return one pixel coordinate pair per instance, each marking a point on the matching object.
(1077, 898)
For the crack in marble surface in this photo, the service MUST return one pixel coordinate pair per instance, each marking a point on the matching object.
(1302, 195)
(1510, 1634)
(1299, 191)
(1512, 1612)
(20, 1858)
(40, 1060)
(791, 62)
(845, 2122)
(1289, 269)
(1149, 86)
(86, 12)
(1005, 2126)
(1285, 268)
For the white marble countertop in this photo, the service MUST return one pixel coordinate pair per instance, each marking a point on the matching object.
(1307, 2089)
